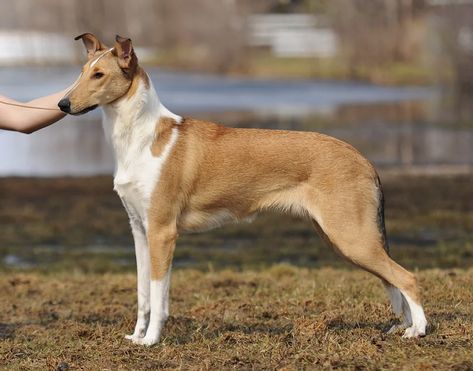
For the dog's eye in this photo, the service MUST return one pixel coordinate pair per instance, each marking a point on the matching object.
(97, 75)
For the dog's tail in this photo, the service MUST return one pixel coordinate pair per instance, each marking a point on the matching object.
(380, 217)
(394, 293)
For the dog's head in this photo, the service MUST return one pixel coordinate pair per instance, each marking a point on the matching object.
(106, 77)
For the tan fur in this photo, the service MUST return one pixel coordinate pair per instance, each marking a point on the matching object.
(216, 174)
(136, 79)
(214, 169)
(163, 134)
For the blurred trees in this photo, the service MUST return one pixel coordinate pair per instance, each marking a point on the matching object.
(209, 33)
(375, 36)
(453, 44)
(377, 32)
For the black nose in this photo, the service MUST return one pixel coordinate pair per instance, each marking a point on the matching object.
(65, 105)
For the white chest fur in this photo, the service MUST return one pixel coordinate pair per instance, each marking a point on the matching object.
(131, 127)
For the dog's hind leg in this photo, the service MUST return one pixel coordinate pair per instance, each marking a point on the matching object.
(400, 307)
(352, 227)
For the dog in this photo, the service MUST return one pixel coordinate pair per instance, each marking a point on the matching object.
(176, 174)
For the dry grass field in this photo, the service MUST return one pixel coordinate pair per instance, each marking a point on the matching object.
(264, 296)
(280, 318)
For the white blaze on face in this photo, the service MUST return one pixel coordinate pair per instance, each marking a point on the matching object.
(99, 58)
(74, 85)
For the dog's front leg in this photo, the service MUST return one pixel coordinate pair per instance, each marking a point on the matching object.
(161, 241)
(143, 279)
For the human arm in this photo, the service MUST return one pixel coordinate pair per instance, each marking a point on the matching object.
(27, 119)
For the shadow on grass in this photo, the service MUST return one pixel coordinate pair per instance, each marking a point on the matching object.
(7, 331)
(340, 325)
(184, 330)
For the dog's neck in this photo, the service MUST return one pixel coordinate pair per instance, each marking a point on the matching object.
(130, 121)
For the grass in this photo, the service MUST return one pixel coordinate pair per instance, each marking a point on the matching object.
(264, 296)
(65, 224)
(262, 64)
(279, 318)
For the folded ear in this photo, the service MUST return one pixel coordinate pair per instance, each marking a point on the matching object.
(91, 43)
(124, 51)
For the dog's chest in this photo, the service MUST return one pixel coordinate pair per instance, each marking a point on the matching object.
(138, 170)
(131, 126)
(135, 180)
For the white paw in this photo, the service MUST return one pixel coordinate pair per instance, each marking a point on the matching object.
(413, 332)
(147, 341)
(137, 334)
(132, 337)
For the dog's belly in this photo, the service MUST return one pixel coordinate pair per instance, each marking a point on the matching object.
(199, 221)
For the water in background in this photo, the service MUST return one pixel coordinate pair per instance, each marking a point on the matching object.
(399, 129)
(79, 223)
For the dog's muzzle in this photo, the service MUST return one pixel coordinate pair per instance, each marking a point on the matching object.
(85, 110)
